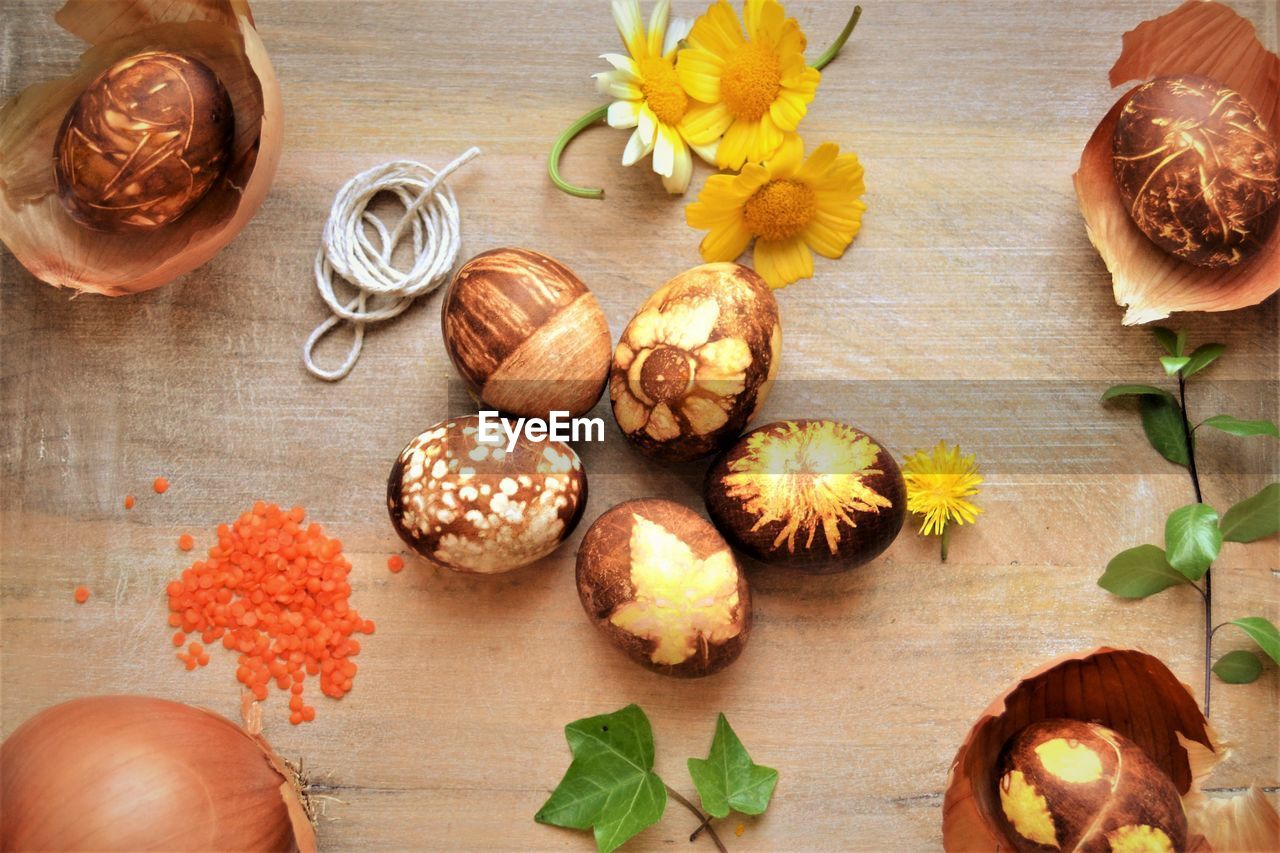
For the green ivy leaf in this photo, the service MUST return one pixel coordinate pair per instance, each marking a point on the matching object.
(1139, 572)
(1204, 355)
(1174, 363)
(1168, 339)
(1236, 426)
(1263, 633)
(727, 779)
(1162, 421)
(1135, 391)
(610, 785)
(1192, 539)
(1253, 518)
(1238, 667)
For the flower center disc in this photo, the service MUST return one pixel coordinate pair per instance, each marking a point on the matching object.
(665, 375)
(662, 91)
(750, 81)
(780, 209)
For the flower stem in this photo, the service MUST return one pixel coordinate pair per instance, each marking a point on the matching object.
(1207, 592)
(705, 821)
(553, 159)
(830, 53)
(945, 539)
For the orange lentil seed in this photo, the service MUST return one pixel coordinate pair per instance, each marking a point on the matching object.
(185, 542)
(395, 563)
(275, 591)
(82, 594)
(128, 501)
(161, 485)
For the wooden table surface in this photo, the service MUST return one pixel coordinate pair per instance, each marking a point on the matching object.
(972, 274)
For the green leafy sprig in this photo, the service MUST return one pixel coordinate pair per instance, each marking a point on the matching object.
(1193, 534)
(610, 786)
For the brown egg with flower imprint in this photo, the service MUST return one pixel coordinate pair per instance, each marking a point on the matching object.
(697, 361)
(463, 500)
(1198, 169)
(526, 334)
(143, 143)
(1073, 785)
(817, 495)
(663, 586)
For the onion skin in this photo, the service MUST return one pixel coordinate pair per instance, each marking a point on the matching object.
(136, 773)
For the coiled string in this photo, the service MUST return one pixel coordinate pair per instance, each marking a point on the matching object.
(349, 250)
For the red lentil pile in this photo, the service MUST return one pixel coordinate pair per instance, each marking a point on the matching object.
(275, 591)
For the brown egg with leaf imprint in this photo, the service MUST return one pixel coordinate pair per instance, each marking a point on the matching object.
(468, 503)
(1073, 785)
(143, 143)
(697, 361)
(526, 334)
(663, 586)
(816, 495)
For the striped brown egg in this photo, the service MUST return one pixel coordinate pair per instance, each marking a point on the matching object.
(696, 362)
(816, 495)
(662, 585)
(1072, 785)
(465, 502)
(526, 334)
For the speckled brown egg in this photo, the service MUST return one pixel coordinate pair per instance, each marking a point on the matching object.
(1072, 785)
(526, 334)
(696, 362)
(1198, 169)
(473, 506)
(816, 495)
(143, 143)
(663, 586)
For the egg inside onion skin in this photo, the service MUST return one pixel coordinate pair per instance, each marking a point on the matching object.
(143, 143)
(1072, 785)
(138, 773)
(1198, 169)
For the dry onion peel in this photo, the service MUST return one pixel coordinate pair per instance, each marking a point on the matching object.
(33, 223)
(1198, 37)
(136, 773)
(1136, 695)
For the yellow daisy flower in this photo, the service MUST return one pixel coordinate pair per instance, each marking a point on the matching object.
(938, 485)
(788, 205)
(649, 95)
(754, 80)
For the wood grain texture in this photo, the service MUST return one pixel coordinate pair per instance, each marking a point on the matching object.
(971, 306)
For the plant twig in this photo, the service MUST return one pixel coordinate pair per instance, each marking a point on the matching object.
(705, 820)
(1207, 592)
(553, 159)
(946, 541)
(830, 53)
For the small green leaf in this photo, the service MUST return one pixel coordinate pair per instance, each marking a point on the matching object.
(1236, 426)
(1204, 355)
(1174, 363)
(610, 785)
(1139, 572)
(1135, 391)
(1238, 667)
(727, 779)
(1192, 539)
(1263, 633)
(1253, 518)
(1180, 343)
(1162, 421)
(1167, 338)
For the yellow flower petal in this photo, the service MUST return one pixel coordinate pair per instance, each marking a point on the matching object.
(703, 125)
(658, 26)
(682, 169)
(626, 14)
(664, 150)
(783, 262)
(828, 241)
(636, 148)
(788, 110)
(623, 114)
(787, 159)
(819, 163)
(699, 73)
(717, 30)
(725, 242)
(618, 85)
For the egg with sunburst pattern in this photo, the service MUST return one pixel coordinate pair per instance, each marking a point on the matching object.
(817, 495)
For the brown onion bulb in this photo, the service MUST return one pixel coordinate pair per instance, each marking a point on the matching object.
(136, 773)
(143, 143)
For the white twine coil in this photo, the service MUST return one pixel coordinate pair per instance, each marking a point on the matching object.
(430, 217)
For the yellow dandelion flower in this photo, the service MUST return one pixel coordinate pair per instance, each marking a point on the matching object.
(788, 205)
(938, 484)
(753, 79)
(649, 96)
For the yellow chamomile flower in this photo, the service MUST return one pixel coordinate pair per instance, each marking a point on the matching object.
(649, 96)
(938, 486)
(789, 205)
(753, 78)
